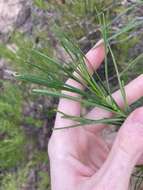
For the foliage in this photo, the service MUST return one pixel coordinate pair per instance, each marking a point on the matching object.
(44, 183)
(14, 181)
(19, 178)
(12, 137)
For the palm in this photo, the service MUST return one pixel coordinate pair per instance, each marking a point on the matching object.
(91, 152)
(83, 155)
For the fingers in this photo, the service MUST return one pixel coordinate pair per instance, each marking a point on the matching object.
(94, 58)
(124, 154)
(134, 91)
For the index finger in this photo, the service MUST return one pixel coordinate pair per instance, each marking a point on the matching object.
(94, 58)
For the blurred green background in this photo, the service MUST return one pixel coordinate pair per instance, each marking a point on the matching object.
(26, 120)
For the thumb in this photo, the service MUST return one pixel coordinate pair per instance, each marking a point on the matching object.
(127, 149)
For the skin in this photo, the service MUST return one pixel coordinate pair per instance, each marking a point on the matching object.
(81, 158)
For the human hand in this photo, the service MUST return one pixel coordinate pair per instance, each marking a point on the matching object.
(81, 158)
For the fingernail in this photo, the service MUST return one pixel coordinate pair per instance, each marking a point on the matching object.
(99, 43)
